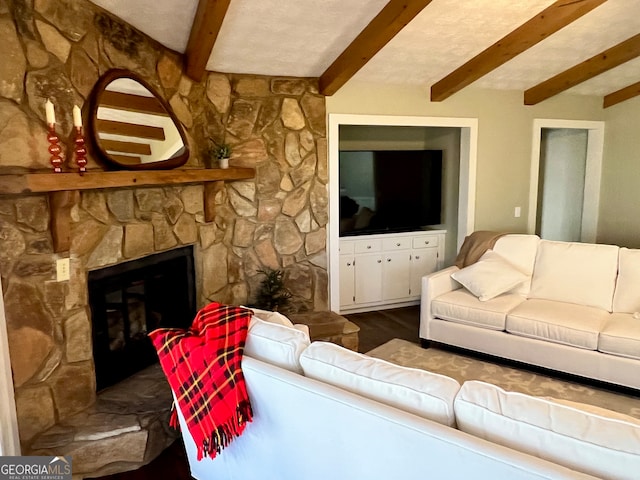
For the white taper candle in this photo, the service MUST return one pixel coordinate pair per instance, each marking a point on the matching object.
(77, 116)
(50, 112)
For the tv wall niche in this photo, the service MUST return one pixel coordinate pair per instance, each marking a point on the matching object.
(389, 191)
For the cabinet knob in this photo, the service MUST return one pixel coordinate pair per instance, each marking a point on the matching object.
(388, 259)
(398, 244)
(348, 264)
(379, 261)
(417, 257)
(369, 247)
(426, 242)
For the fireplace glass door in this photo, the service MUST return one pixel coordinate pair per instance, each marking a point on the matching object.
(130, 300)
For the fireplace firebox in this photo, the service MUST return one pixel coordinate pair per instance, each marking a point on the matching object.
(131, 299)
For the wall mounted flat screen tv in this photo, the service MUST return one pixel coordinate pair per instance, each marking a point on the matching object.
(389, 191)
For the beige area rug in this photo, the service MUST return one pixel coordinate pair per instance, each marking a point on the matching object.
(463, 367)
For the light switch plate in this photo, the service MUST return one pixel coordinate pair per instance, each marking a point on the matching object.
(62, 269)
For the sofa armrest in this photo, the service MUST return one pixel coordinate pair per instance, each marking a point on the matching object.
(434, 285)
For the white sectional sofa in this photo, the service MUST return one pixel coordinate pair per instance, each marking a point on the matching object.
(322, 411)
(571, 307)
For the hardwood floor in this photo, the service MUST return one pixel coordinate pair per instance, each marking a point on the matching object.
(170, 465)
(381, 326)
(376, 328)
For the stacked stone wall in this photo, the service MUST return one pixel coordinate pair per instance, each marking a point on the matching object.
(58, 49)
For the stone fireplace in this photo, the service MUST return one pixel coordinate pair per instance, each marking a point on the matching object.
(276, 125)
(74, 343)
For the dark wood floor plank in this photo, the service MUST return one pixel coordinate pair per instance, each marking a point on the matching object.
(381, 326)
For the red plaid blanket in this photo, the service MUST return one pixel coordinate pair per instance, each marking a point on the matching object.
(202, 365)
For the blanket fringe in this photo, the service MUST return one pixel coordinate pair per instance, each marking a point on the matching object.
(223, 434)
(173, 419)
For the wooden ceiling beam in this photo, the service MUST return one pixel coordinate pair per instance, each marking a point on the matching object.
(132, 103)
(600, 63)
(127, 159)
(130, 129)
(621, 95)
(204, 32)
(126, 147)
(386, 25)
(555, 17)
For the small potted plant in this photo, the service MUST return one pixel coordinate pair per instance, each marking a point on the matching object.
(273, 295)
(221, 152)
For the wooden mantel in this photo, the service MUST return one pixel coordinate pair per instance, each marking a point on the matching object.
(63, 189)
(58, 182)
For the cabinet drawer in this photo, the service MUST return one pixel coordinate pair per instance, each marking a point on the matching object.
(346, 247)
(396, 244)
(364, 246)
(425, 241)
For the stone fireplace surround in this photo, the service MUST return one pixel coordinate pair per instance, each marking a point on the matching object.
(57, 49)
(124, 426)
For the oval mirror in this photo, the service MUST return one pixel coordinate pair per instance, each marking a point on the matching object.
(132, 127)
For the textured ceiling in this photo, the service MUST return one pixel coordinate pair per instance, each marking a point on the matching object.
(303, 37)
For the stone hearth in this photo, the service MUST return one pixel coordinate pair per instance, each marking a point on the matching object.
(127, 427)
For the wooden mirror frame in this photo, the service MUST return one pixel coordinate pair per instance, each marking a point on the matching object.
(95, 102)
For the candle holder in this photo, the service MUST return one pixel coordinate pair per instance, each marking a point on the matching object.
(80, 151)
(54, 149)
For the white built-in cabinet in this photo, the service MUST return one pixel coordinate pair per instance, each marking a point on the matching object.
(380, 270)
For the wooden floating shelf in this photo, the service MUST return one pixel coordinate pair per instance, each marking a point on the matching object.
(58, 182)
(63, 189)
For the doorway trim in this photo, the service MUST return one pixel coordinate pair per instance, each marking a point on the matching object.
(9, 439)
(593, 172)
(467, 177)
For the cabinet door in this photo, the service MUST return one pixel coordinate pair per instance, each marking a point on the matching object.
(347, 280)
(368, 278)
(395, 275)
(423, 261)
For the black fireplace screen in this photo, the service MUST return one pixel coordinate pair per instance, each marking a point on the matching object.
(129, 300)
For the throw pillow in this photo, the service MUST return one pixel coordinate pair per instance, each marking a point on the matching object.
(490, 276)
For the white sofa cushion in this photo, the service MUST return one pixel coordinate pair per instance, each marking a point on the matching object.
(603, 412)
(621, 336)
(580, 273)
(271, 317)
(460, 306)
(490, 276)
(558, 322)
(519, 250)
(626, 298)
(420, 392)
(584, 441)
(278, 318)
(276, 344)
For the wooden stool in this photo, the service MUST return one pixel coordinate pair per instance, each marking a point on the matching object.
(329, 327)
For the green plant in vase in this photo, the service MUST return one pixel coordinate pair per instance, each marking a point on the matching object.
(221, 152)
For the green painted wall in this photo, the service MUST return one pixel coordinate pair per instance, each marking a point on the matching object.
(620, 195)
(504, 136)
